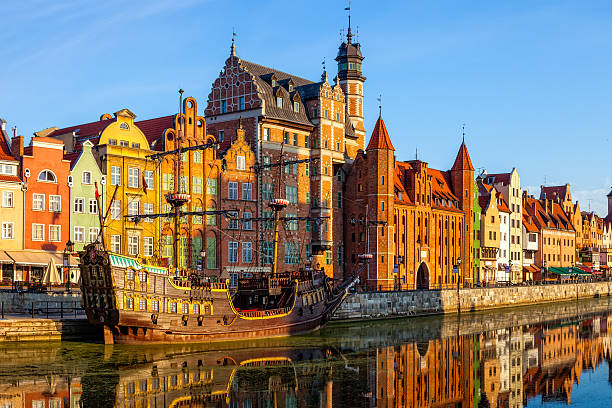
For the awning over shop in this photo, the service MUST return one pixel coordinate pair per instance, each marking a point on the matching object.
(4, 258)
(531, 269)
(566, 272)
(39, 258)
(125, 262)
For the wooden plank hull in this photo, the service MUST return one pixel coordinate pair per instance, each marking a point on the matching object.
(142, 306)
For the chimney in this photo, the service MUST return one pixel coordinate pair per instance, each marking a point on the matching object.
(17, 147)
(2, 124)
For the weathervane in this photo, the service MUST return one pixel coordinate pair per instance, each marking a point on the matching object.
(463, 133)
(379, 99)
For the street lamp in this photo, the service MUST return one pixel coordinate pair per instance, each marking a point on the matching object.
(545, 270)
(67, 251)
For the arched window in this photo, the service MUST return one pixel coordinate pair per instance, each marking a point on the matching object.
(124, 126)
(47, 176)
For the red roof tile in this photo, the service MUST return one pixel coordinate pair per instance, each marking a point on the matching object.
(463, 161)
(503, 178)
(85, 129)
(501, 204)
(554, 192)
(380, 137)
(154, 128)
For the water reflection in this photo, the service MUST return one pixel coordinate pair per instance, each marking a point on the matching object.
(501, 359)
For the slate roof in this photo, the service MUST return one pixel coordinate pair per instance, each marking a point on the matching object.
(503, 178)
(554, 192)
(263, 79)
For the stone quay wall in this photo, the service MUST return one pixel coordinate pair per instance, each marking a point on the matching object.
(383, 305)
(18, 303)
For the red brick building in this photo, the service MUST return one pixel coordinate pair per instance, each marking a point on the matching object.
(415, 221)
(304, 120)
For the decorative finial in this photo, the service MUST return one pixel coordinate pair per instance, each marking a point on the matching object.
(233, 48)
(463, 133)
(357, 35)
(379, 99)
(416, 153)
(349, 35)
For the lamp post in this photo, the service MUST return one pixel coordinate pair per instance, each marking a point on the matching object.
(67, 251)
(458, 266)
(545, 270)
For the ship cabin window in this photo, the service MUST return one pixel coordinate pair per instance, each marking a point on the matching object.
(129, 274)
(185, 308)
(196, 309)
(129, 303)
(143, 276)
(155, 305)
(143, 304)
(172, 307)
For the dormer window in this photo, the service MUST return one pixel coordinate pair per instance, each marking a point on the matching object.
(296, 106)
(273, 82)
(124, 126)
(290, 86)
(279, 101)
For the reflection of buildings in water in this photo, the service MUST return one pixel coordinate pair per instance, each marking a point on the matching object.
(439, 372)
(47, 392)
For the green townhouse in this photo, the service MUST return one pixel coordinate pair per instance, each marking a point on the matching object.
(85, 176)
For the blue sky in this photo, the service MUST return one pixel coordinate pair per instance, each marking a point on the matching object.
(530, 79)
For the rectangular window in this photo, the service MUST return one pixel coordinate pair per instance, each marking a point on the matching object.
(279, 102)
(286, 137)
(148, 179)
(196, 219)
(148, 246)
(247, 223)
(267, 134)
(340, 255)
(291, 194)
(133, 207)
(168, 182)
(184, 187)
(197, 156)
(197, 185)
(247, 191)
(291, 224)
(221, 136)
(296, 106)
(79, 234)
(38, 202)
(329, 257)
(291, 253)
(211, 253)
(326, 114)
(337, 116)
(240, 163)
(115, 176)
(93, 234)
(232, 188)
(247, 252)
(241, 103)
(115, 210)
(267, 250)
(232, 256)
(211, 219)
(124, 143)
(86, 177)
(294, 169)
(38, 232)
(55, 203)
(211, 186)
(185, 157)
(148, 209)
(340, 199)
(93, 206)
(223, 106)
(267, 224)
(133, 245)
(8, 199)
(167, 247)
(79, 205)
(116, 243)
(295, 139)
(8, 230)
(306, 141)
(55, 234)
(266, 192)
(233, 220)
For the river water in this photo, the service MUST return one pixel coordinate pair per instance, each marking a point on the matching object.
(551, 356)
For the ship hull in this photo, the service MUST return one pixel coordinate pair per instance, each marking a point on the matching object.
(137, 305)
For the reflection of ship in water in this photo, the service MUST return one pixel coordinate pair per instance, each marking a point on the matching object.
(243, 378)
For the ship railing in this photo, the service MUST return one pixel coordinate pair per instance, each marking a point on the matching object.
(280, 282)
(218, 285)
(265, 313)
(252, 283)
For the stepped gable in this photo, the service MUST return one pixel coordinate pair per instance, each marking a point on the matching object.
(380, 137)
(501, 203)
(463, 161)
(262, 77)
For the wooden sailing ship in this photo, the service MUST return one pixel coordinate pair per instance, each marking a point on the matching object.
(138, 303)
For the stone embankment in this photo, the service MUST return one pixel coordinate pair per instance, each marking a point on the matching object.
(18, 328)
(384, 305)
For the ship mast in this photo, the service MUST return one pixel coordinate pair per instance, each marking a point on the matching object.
(177, 183)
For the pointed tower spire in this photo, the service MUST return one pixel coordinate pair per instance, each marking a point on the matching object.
(349, 35)
(380, 137)
(463, 161)
(233, 47)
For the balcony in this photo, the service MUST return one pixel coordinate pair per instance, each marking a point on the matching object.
(319, 246)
